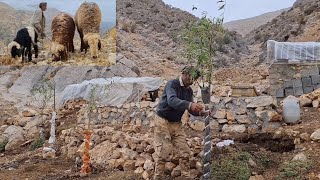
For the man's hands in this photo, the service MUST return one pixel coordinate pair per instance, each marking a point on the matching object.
(205, 113)
(199, 108)
(196, 107)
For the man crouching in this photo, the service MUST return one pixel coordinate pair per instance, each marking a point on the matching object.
(168, 133)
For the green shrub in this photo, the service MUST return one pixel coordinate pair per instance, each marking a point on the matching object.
(36, 144)
(294, 170)
(234, 167)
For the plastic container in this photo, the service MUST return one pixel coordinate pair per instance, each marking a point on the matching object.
(291, 110)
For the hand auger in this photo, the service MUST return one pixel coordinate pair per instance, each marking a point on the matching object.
(207, 148)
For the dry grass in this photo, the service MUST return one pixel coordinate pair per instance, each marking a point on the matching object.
(6, 60)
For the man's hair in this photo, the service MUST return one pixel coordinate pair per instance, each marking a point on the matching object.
(192, 71)
(42, 4)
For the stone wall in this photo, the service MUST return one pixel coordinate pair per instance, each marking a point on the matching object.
(122, 137)
(293, 79)
(230, 115)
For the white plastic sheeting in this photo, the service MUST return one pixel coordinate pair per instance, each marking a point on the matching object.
(292, 51)
(113, 91)
(224, 143)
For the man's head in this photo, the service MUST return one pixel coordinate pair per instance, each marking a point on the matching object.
(43, 6)
(189, 75)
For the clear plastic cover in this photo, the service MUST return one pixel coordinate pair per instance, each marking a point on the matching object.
(292, 51)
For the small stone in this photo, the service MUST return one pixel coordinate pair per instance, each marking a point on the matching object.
(215, 100)
(230, 116)
(140, 161)
(119, 163)
(305, 136)
(145, 175)
(149, 149)
(300, 157)
(315, 136)
(297, 141)
(148, 165)
(176, 172)
(199, 166)
(129, 165)
(243, 119)
(127, 106)
(220, 114)
(139, 170)
(144, 104)
(138, 105)
(259, 108)
(305, 101)
(253, 129)
(29, 113)
(222, 121)
(315, 103)
(194, 173)
(197, 125)
(214, 126)
(241, 111)
(150, 114)
(169, 166)
(227, 100)
(276, 117)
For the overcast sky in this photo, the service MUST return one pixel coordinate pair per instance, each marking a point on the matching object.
(235, 9)
(108, 7)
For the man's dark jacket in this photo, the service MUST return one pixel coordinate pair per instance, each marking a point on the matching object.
(174, 101)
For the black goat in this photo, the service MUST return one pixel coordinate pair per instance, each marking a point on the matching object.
(22, 44)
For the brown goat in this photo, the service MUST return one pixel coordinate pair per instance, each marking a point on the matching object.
(88, 20)
(63, 29)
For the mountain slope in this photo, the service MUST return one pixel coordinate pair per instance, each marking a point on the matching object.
(11, 21)
(148, 33)
(245, 26)
(299, 23)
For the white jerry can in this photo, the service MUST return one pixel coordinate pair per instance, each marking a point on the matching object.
(291, 110)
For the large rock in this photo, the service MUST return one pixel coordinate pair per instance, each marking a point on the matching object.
(234, 128)
(260, 101)
(30, 76)
(268, 115)
(14, 135)
(101, 153)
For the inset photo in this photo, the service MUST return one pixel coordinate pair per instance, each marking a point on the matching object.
(57, 32)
